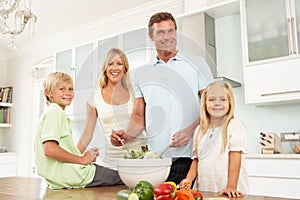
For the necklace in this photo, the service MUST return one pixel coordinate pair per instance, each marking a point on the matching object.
(211, 132)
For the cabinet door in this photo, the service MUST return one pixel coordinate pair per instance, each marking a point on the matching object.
(276, 82)
(63, 61)
(297, 22)
(266, 30)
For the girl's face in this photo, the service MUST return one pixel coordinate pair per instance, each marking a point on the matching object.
(115, 70)
(217, 102)
(62, 94)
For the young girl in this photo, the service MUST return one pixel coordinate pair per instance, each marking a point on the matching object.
(219, 143)
(57, 158)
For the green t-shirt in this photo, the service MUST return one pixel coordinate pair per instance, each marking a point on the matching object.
(54, 125)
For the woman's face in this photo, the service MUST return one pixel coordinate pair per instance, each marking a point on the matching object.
(115, 70)
(217, 102)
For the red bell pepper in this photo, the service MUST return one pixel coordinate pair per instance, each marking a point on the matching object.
(197, 195)
(164, 192)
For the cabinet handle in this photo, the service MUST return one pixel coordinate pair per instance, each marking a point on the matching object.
(295, 48)
(289, 35)
(279, 93)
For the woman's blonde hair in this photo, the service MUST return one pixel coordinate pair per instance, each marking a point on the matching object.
(205, 117)
(111, 55)
(53, 80)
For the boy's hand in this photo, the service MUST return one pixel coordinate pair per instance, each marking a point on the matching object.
(90, 156)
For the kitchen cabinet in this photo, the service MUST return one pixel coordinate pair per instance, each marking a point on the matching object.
(274, 175)
(271, 33)
(79, 62)
(8, 164)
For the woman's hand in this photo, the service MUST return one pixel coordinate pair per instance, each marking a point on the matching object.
(118, 138)
(231, 192)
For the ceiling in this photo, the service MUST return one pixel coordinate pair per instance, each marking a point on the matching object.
(56, 16)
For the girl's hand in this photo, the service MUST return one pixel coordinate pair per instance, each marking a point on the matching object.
(90, 156)
(185, 184)
(231, 192)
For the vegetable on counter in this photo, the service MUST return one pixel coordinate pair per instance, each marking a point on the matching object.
(123, 194)
(144, 190)
(184, 194)
(197, 195)
(164, 191)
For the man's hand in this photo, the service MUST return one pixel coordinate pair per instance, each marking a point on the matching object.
(180, 139)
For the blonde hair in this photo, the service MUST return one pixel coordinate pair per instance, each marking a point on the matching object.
(111, 55)
(53, 80)
(205, 117)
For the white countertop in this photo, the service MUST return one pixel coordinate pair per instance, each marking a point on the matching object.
(272, 156)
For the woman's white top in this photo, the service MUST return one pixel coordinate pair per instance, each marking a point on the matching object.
(115, 117)
(212, 164)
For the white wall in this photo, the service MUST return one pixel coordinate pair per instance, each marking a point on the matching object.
(279, 118)
(2, 83)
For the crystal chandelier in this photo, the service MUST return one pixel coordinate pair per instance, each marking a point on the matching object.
(23, 16)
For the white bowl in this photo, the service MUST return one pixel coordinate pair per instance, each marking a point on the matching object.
(155, 171)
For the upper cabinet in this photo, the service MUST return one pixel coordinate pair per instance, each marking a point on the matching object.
(270, 33)
(271, 29)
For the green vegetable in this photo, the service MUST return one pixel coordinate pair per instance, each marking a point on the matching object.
(144, 190)
(137, 154)
(123, 194)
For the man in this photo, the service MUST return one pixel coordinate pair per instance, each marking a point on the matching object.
(167, 95)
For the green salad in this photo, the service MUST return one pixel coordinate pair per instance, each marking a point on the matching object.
(146, 153)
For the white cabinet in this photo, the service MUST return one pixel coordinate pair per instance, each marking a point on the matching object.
(8, 164)
(271, 33)
(274, 175)
(79, 62)
(272, 83)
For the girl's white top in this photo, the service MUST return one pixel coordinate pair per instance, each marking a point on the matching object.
(115, 117)
(212, 164)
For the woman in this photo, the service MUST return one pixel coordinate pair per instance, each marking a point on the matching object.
(113, 104)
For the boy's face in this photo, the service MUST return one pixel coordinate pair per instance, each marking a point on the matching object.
(62, 94)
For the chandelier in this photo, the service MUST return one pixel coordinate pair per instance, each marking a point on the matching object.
(23, 16)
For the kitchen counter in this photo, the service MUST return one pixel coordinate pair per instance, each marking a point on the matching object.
(272, 156)
(23, 188)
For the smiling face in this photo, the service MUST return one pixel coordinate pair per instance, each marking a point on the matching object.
(163, 34)
(115, 70)
(62, 94)
(217, 102)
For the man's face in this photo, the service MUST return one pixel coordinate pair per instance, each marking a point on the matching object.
(164, 36)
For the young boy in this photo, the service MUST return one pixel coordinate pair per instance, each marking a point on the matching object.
(57, 158)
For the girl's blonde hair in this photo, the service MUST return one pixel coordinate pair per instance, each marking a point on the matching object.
(205, 117)
(53, 80)
(111, 55)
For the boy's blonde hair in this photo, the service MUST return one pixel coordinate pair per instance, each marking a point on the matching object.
(53, 80)
(205, 117)
(111, 55)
